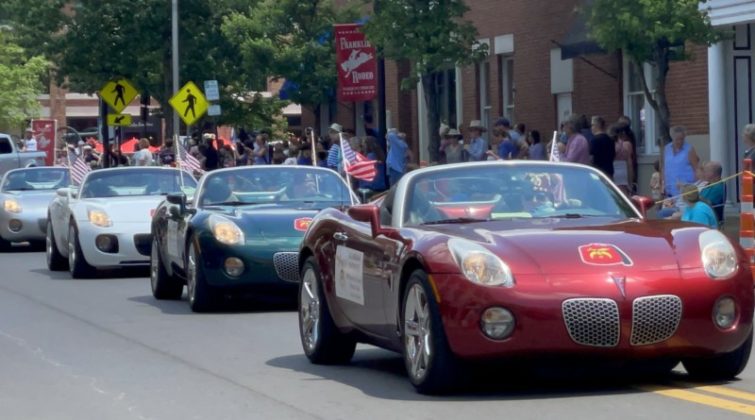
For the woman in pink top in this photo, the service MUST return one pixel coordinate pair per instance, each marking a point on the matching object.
(622, 162)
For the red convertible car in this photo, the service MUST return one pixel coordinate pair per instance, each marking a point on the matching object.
(502, 260)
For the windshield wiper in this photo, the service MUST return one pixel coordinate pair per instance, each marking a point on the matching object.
(571, 216)
(233, 203)
(457, 220)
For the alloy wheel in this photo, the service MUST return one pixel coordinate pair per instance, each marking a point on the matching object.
(309, 310)
(417, 334)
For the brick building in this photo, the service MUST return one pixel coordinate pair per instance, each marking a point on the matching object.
(529, 78)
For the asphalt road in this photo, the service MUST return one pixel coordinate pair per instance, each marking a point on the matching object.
(105, 349)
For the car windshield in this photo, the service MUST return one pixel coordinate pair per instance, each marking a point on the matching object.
(500, 192)
(278, 185)
(37, 179)
(123, 183)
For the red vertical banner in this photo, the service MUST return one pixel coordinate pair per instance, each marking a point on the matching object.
(357, 65)
(44, 131)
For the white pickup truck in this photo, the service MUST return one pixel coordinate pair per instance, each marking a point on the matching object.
(12, 158)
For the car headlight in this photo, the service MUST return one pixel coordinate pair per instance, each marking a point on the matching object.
(99, 218)
(718, 255)
(479, 265)
(225, 231)
(12, 206)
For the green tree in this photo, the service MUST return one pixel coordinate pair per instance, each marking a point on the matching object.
(292, 40)
(92, 41)
(434, 37)
(654, 32)
(20, 83)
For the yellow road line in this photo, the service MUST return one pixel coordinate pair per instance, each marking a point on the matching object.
(700, 398)
(722, 390)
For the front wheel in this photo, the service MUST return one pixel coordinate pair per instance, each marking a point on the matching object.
(202, 297)
(323, 343)
(723, 367)
(164, 286)
(77, 263)
(55, 260)
(432, 367)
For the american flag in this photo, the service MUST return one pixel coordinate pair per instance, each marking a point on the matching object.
(555, 155)
(78, 168)
(356, 164)
(186, 161)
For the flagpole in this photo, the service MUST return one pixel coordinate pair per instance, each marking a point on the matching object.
(314, 147)
(343, 161)
(177, 146)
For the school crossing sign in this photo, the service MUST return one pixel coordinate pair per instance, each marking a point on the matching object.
(190, 103)
(118, 94)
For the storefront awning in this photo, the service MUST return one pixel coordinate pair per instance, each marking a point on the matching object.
(577, 42)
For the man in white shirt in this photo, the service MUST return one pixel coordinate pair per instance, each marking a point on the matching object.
(30, 145)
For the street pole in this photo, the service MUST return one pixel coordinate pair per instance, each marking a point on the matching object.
(105, 135)
(174, 41)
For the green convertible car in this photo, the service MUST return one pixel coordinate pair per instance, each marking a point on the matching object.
(240, 233)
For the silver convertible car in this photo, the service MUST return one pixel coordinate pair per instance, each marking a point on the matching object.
(105, 223)
(24, 196)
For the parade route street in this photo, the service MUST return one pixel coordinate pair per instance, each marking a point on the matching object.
(105, 349)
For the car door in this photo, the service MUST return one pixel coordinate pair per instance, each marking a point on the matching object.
(176, 237)
(8, 157)
(359, 276)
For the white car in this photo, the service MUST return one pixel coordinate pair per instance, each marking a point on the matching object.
(105, 223)
(24, 197)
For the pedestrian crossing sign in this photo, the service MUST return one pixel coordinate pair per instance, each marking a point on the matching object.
(190, 103)
(118, 94)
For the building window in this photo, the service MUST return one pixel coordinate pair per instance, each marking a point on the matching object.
(506, 81)
(639, 110)
(483, 84)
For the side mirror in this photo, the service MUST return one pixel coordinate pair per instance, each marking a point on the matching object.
(62, 192)
(177, 199)
(643, 203)
(370, 213)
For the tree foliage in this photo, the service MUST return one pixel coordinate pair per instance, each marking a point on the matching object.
(433, 36)
(292, 40)
(654, 32)
(20, 83)
(92, 41)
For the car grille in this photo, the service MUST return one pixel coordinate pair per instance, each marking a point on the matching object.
(143, 243)
(287, 265)
(655, 319)
(592, 322)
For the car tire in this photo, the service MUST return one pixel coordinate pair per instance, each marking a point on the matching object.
(722, 367)
(55, 260)
(164, 286)
(321, 340)
(202, 296)
(77, 263)
(431, 365)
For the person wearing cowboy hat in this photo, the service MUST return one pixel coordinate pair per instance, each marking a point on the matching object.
(478, 147)
(454, 148)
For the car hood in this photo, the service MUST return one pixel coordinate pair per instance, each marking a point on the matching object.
(135, 209)
(271, 222)
(569, 248)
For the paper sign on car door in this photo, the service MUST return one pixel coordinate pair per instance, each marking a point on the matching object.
(349, 275)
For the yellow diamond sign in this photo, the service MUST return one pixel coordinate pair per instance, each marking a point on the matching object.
(190, 103)
(118, 119)
(118, 94)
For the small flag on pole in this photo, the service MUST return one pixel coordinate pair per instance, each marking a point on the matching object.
(186, 161)
(555, 155)
(78, 168)
(356, 164)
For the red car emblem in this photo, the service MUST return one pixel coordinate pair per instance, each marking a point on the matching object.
(302, 224)
(603, 254)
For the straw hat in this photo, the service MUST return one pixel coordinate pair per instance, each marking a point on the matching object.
(452, 132)
(477, 125)
(336, 127)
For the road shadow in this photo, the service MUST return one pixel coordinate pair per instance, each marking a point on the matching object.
(381, 374)
(25, 248)
(137, 273)
(228, 305)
